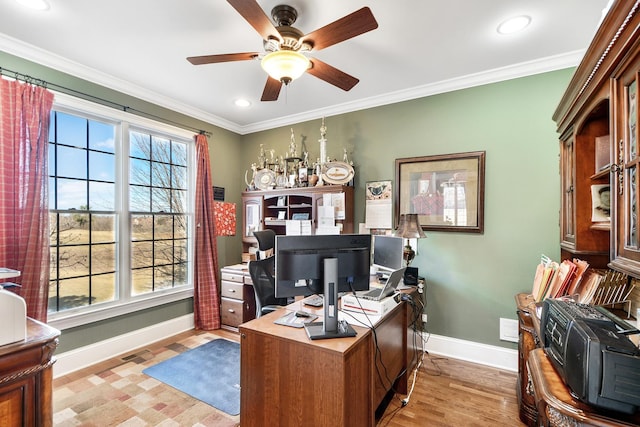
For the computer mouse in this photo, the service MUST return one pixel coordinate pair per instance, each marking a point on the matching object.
(302, 314)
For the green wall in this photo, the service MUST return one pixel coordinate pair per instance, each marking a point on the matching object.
(471, 279)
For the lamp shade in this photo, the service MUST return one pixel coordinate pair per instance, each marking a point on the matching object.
(409, 227)
(285, 65)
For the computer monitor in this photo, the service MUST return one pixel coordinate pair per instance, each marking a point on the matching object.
(322, 264)
(388, 253)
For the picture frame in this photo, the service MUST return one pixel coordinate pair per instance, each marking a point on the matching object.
(446, 191)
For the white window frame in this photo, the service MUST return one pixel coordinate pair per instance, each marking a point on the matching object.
(126, 303)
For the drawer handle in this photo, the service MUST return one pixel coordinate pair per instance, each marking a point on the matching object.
(232, 291)
(231, 310)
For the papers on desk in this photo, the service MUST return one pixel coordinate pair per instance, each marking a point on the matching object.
(290, 319)
(359, 319)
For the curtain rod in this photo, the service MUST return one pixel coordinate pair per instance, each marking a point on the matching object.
(45, 84)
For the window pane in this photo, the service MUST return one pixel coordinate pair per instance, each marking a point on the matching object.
(103, 228)
(102, 136)
(101, 196)
(163, 252)
(74, 229)
(180, 227)
(161, 150)
(179, 154)
(161, 175)
(73, 261)
(179, 201)
(141, 227)
(142, 281)
(161, 200)
(178, 177)
(102, 166)
(71, 194)
(74, 293)
(72, 162)
(103, 287)
(139, 172)
(71, 130)
(141, 254)
(140, 146)
(103, 258)
(163, 278)
(139, 199)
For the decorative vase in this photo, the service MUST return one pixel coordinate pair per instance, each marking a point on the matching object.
(313, 179)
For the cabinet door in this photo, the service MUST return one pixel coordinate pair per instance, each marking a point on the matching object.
(626, 246)
(252, 218)
(567, 182)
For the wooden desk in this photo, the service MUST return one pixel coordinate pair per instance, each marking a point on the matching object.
(557, 407)
(26, 377)
(544, 398)
(288, 380)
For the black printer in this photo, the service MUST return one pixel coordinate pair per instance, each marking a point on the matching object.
(591, 350)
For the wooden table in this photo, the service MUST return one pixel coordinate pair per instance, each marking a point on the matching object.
(288, 380)
(26, 378)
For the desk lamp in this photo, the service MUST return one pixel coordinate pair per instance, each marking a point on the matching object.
(409, 228)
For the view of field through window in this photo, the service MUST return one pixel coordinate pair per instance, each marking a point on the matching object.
(85, 240)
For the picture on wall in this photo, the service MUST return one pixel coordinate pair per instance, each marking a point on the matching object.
(446, 191)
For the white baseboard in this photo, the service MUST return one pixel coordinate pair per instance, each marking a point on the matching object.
(73, 360)
(83, 357)
(483, 354)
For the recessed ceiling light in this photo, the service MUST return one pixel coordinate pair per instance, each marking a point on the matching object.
(242, 103)
(35, 4)
(513, 25)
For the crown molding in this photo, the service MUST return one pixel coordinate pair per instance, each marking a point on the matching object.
(26, 51)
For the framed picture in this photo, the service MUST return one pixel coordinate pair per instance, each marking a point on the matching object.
(446, 191)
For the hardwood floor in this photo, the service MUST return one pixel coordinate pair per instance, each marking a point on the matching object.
(447, 392)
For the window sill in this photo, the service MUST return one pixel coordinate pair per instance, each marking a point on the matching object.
(71, 319)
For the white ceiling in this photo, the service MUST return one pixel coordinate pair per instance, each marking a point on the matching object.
(421, 47)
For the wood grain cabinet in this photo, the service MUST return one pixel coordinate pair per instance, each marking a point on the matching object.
(269, 209)
(237, 302)
(597, 123)
(26, 378)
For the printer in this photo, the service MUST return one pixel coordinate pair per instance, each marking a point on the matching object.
(13, 327)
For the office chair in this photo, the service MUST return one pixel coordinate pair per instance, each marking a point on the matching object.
(266, 240)
(264, 286)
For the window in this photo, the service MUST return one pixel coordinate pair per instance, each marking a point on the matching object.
(120, 212)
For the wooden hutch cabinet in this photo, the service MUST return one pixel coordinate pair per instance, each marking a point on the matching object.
(270, 209)
(596, 120)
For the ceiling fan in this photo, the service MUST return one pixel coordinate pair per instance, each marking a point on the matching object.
(284, 45)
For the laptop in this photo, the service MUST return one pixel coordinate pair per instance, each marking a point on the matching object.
(388, 289)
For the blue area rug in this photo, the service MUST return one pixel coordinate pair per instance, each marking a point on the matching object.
(210, 373)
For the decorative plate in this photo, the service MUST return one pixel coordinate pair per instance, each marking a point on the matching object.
(265, 179)
(337, 173)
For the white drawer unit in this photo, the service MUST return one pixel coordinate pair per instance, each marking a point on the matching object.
(237, 302)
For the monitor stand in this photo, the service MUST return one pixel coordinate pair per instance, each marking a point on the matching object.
(330, 328)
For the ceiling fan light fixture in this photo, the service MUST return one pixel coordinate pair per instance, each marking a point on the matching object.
(285, 65)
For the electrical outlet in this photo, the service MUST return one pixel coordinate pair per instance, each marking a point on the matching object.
(508, 330)
(424, 317)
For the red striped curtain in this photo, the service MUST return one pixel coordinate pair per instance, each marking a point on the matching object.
(24, 216)
(206, 301)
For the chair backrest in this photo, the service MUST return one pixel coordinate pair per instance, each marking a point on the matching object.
(266, 239)
(264, 285)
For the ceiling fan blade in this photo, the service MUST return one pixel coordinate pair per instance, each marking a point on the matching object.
(255, 16)
(225, 57)
(354, 24)
(271, 90)
(332, 75)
